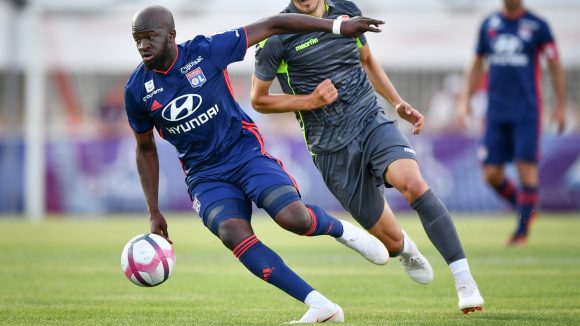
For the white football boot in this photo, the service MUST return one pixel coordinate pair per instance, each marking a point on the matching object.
(332, 314)
(364, 243)
(415, 265)
(470, 299)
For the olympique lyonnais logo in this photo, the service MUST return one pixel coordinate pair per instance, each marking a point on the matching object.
(196, 77)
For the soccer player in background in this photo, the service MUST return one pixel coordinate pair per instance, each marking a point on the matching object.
(330, 83)
(183, 91)
(511, 42)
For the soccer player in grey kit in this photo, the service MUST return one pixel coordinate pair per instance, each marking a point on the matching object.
(330, 83)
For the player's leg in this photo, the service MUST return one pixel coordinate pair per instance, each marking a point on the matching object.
(229, 219)
(526, 155)
(497, 148)
(383, 144)
(400, 244)
(404, 174)
(273, 189)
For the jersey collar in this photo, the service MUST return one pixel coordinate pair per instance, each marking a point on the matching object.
(172, 64)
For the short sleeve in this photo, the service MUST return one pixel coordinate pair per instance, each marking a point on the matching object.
(268, 58)
(481, 46)
(547, 43)
(138, 118)
(354, 11)
(227, 47)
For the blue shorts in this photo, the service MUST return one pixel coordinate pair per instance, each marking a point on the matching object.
(241, 185)
(508, 141)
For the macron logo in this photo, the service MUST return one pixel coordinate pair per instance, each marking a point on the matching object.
(408, 150)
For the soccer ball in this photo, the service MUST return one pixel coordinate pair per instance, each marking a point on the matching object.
(148, 260)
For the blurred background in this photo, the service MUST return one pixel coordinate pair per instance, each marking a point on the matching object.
(66, 147)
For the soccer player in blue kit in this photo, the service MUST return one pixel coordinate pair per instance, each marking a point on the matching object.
(330, 83)
(183, 91)
(512, 43)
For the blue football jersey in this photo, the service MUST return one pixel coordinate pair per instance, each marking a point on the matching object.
(192, 105)
(513, 48)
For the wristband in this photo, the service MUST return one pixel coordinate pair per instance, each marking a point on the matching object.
(336, 26)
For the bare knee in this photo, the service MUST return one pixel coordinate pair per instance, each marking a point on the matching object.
(412, 188)
(493, 175)
(233, 231)
(294, 218)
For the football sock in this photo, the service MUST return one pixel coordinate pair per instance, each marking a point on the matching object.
(267, 265)
(439, 227)
(507, 191)
(460, 270)
(322, 223)
(527, 199)
(406, 250)
(315, 299)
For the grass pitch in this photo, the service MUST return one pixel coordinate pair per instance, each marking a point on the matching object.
(67, 272)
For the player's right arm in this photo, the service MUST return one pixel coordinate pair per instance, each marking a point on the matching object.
(474, 75)
(299, 23)
(148, 169)
(264, 102)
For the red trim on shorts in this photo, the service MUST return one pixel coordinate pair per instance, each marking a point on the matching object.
(314, 223)
(241, 248)
(251, 127)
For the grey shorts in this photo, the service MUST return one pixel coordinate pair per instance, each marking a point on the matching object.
(355, 173)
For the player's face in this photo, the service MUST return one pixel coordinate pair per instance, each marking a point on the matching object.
(153, 46)
(512, 5)
(308, 6)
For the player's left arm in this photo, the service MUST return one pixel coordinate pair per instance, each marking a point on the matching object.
(299, 23)
(559, 82)
(383, 85)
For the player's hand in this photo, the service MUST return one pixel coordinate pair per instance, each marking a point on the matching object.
(407, 112)
(462, 113)
(559, 117)
(324, 94)
(159, 225)
(356, 26)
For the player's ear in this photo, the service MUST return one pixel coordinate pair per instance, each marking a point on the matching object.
(172, 35)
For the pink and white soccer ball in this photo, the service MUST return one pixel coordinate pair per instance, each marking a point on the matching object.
(148, 260)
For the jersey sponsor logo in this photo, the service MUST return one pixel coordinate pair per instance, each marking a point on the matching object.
(190, 65)
(149, 86)
(153, 93)
(183, 108)
(196, 77)
(507, 51)
(342, 17)
(310, 42)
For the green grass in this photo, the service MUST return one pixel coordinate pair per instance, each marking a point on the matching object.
(67, 272)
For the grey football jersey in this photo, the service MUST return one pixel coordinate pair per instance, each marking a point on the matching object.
(302, 61)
